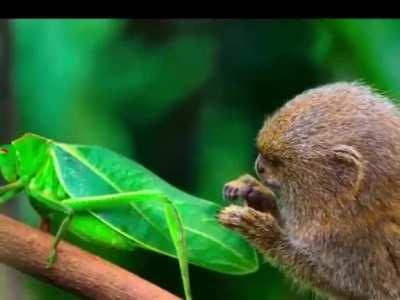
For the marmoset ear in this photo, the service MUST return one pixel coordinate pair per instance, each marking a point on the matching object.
(351, 162)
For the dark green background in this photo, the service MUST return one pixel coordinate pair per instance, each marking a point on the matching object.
(183, 97)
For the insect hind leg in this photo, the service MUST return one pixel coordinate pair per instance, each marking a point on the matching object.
(60, 207)
(61, 230)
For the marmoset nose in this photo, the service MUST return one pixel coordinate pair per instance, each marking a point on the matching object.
(259, 167)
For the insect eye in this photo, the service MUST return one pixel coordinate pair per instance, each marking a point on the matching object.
(3, 151)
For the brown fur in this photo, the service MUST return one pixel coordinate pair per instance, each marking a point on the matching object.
(335, 153)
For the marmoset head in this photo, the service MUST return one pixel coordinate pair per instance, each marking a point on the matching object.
(335, 143)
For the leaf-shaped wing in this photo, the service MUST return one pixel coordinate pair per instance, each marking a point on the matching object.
(92, 170)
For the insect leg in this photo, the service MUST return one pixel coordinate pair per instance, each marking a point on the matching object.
(60, 207)
(104, 202)
(61, 230)
(172, 216)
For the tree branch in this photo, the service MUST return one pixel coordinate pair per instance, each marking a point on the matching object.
(26, 249)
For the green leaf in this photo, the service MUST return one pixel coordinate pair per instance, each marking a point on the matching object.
(92, 170)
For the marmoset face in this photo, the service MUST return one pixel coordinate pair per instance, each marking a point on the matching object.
(267, 171)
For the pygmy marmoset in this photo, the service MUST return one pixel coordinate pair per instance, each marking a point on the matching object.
(327, 209)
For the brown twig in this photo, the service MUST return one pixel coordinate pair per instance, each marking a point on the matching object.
(26, 249)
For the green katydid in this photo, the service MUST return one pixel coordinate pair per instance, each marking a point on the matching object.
(107, 199)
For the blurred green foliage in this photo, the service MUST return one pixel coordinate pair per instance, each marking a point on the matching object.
(186, 99)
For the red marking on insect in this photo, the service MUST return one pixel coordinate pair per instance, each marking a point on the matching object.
(3, 151)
